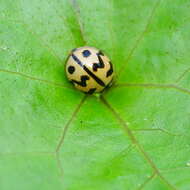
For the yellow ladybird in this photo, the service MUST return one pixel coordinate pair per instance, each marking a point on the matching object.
(89, 69)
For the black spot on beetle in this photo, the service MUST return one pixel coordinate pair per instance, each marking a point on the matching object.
(86, 53)
(71, 69)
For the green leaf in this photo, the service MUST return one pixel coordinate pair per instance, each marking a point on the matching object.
(135, 136)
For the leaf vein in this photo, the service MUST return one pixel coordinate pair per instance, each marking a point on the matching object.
(182, 75)
(65, 129)
(35, 78)
(152, 85)
(41, 41)
(159, 129)
(146, 181)
(76, 10)
(135, 141)
(69, 122)
(139, 39)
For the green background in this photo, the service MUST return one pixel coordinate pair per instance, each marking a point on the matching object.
(136, 136)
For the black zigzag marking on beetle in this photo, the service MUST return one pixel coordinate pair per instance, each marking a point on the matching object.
(110, 71)
(99, 65)
(99, 81)
(82, 83)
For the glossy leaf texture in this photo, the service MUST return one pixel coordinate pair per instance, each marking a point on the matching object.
(134, 136)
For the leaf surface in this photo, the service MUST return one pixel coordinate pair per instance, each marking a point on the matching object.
(135, 136)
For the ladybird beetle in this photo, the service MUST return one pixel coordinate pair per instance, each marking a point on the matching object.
(89, 69)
